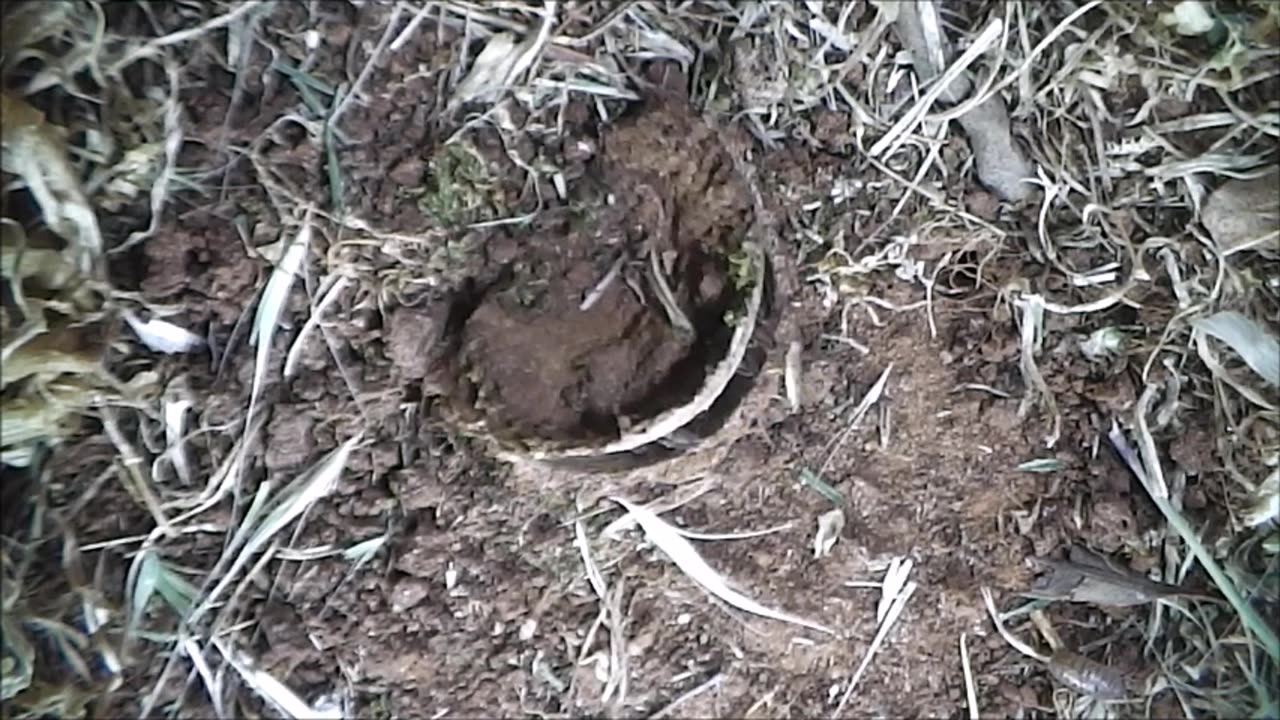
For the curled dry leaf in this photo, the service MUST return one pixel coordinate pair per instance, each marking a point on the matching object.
(1243, 215)
(1103, 342)
(1189, 17)
(1265, 504)
(490, 71)
(830, 525)
(51, 415)
(49, 269)
(35, 150)
(1091, 578)
(1259, 349)
(163, 336)
(65, 350)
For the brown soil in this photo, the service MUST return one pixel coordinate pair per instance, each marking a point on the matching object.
(478, 604)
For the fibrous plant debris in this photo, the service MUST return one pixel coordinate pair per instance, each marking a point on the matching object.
(998, 161)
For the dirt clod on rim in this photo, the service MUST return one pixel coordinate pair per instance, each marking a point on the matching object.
(579, 291)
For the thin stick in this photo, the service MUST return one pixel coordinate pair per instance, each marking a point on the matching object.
(368, 67)
(714, 681)
(599, 289)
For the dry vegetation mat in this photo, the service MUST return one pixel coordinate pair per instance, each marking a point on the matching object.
(655, 358)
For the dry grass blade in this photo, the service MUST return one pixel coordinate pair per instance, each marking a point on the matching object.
(149, 575)
(897, 591)
(502, 61)
(329, 296)
(717, 380)
(970, 688)
(998, 161)
(268, 687)
(1152, 481)
(272, 304)
(288, 505)
(686, 557)
(687, 696)
(893, 139)
(743, 535)
(1032, 329)
(1009, 637)
(1259, 349)
(666, 298)
(593, 570)
(872, 396)
(683, 495)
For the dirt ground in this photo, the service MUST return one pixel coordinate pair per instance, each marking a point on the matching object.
(479, 604)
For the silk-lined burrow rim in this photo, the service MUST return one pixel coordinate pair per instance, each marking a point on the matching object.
(620, 320)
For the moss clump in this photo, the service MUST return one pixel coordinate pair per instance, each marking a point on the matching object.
(458, 188)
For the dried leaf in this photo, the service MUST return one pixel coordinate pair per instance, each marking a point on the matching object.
(1259, 349)
(36, 151)
(1242, 215)
(1265, 504)
(65, 350)
(489, 71)
(830, 525)
(1041, 465)
(49, 268)
(1103, 342)
(1090, 578)
(1189, 17)
(38, 418)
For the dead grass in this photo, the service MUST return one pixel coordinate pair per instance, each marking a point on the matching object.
(1129, 210)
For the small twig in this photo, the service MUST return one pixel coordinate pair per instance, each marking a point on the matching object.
(181, 36)
(368, 67)
(659, 278)
(600, 26)
(668, 300)
(597, 291)
(793, 376)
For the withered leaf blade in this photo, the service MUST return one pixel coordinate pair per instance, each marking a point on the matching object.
(1091, 578)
